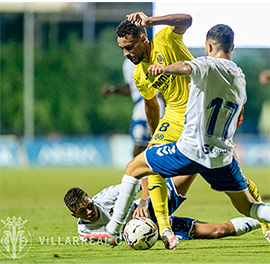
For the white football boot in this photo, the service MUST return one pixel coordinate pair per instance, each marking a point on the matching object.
(169, 239)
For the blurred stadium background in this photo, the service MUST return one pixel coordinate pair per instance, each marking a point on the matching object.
(56, 57)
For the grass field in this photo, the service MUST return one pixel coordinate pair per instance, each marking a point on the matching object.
(36, 195)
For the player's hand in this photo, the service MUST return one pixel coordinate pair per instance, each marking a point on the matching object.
(264, 77)
(141, 210)
(155, 69)
(108, 91)
(139, 19)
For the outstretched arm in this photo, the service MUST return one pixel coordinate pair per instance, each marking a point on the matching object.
(178, 22)
(179, 68)
(123, 90)
(141, 210)
(264, 77)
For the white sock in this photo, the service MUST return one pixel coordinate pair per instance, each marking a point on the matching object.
(260, 211)
(122, 206)
(244, 225)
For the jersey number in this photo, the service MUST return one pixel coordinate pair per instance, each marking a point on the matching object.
(164, 127)
(216, 104)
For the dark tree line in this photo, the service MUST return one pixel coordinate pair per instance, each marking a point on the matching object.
(70, 76)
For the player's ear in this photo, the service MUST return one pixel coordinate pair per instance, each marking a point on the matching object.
(143, 37)
(232, 48)
(211, 47)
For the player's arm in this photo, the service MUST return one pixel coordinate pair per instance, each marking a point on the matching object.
(178, 22)
(141, 210)
(264, 77)
(179, 68)
(122, 90)
(152, 113)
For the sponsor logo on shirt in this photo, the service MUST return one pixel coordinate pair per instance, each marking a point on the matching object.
(163, 81)
(146, 76)
(215, 150)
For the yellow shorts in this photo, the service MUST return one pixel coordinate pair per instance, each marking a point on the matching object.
(167, 131)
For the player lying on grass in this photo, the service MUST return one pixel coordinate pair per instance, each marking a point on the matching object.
(94, 214)
(216, 97)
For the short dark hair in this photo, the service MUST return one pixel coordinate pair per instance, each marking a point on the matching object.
(128, 28)
(74, 196)
(224, 36)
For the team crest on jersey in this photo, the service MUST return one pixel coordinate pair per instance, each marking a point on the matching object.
(160, 59)
(159, 136)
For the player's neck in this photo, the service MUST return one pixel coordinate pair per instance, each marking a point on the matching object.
(221, 54)
(147, 52)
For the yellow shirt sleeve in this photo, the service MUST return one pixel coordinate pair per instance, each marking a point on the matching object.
(141, 77)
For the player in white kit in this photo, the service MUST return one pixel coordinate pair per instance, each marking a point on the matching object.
(95, 212)
(139, 128)
(217, 94)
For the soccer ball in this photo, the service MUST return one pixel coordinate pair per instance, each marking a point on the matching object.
(141, 233)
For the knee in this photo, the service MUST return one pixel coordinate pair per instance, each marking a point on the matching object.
(138, 167)
(132, 169)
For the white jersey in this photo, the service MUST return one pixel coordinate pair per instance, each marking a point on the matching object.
(138, 110)
(217, 94)
(105, 201)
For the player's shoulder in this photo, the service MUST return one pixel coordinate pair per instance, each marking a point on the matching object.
(218, 65)
(203, 59)
(228, 65)
(166, 34)
(138, 72)
(207, 61)
(108, 191)
(199, 62)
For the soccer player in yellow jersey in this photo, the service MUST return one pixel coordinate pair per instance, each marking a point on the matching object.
(166, 48)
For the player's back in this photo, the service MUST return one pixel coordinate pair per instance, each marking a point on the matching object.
(217, 94)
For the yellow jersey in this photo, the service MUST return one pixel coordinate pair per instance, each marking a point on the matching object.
(167, 47)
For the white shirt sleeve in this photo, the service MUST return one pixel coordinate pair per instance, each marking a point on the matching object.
(106, 198)
(200, 69)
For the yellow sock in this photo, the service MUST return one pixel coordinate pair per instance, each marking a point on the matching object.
(253, 190)
(158, 194)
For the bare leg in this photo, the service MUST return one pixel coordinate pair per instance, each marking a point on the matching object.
(137, 150)
(204, 230)
(235, 227)
(182, 183)
(138, 167)
(242, 201)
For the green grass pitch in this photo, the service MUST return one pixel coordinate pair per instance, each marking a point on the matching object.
(36, 195)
